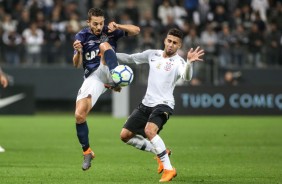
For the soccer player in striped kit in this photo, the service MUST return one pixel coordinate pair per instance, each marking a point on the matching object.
(148, 119)
(94, 49)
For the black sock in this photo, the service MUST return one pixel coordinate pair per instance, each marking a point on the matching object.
(82, 134)
(111, 59)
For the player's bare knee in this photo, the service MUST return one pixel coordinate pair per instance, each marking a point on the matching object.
(104, 46)
(124, 138)
(125, 135)
(150, 133)
(79, 117)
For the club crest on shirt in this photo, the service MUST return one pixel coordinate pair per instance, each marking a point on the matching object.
(159, 65)
(168, 66)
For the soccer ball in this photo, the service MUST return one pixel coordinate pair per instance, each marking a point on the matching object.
(122, 75)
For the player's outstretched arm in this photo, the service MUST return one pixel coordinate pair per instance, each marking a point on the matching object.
(137, 58)
(130, 29)
(124, 58)
(194, 55)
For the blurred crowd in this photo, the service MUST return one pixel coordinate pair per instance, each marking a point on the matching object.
(235, 34)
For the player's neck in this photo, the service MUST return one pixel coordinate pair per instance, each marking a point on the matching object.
(165, 55)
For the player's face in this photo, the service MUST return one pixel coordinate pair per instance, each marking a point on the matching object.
(96, 24)
(172, 44)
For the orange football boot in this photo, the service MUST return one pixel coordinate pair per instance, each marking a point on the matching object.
(168, 175)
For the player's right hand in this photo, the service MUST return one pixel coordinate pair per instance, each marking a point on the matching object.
(112, 27)
(77, 45)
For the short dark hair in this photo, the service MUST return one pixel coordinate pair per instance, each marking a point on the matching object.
(97, 12)
(175, 32)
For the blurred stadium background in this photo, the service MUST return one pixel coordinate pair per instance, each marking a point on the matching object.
(241, 74)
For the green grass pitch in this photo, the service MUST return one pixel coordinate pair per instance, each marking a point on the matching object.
(208, 149)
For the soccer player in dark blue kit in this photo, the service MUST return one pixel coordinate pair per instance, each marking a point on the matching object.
(95, 49)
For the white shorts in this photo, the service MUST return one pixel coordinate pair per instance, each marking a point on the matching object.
(93, 85)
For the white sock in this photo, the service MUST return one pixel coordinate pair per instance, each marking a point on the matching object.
(141, 143)
(160, 149)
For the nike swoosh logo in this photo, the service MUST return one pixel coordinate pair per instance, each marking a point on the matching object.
(11, 99)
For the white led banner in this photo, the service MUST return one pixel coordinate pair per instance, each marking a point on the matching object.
(223, 100)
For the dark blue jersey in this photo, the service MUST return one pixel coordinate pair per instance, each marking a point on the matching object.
(90, 46)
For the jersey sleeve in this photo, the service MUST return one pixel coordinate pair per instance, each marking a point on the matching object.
(186, 70)
(119, 34)
(79, 37)
(138, 58)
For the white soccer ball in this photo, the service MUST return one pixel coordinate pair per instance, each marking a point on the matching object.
(122, 75)
(2, 149)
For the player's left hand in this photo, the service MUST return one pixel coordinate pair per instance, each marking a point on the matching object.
(194, 55)
(112, 26)
(77, 45)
